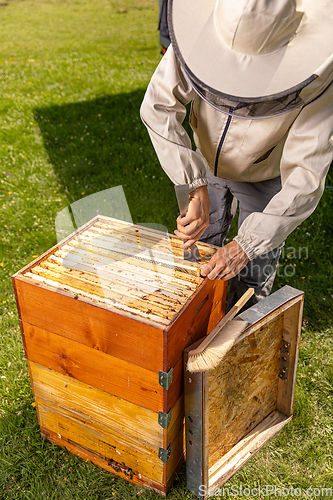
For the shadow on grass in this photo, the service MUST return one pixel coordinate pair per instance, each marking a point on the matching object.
(100, 144)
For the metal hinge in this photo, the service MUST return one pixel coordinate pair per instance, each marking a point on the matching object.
(285, 357)
(165, 379)
(164, 419)
(164, 454)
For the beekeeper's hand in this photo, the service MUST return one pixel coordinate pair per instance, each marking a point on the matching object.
(226, 263)
(192, 226)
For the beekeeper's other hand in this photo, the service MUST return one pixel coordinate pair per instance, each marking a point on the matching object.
(226, 263)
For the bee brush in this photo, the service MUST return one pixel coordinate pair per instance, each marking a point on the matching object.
(219, 341)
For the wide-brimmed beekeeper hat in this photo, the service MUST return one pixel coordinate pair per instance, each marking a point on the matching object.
(251, 58)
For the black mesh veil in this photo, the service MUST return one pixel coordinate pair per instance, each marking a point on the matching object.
(264, 107)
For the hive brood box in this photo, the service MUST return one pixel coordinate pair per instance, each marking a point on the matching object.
(232, 411)
(105, 316)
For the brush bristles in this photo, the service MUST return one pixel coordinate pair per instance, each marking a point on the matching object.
(207, 359)
(214, 353)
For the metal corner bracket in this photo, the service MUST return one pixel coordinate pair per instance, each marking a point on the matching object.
(165, 379)
(164, 419)
(164, 454)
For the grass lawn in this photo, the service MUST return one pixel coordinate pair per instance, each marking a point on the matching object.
(73, 74)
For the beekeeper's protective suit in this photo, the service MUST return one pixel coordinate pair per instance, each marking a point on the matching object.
(259, 74)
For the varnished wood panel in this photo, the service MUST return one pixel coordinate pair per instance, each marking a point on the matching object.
(176, 424)
(114, 467)
(99, 406)
(85, 416)
(243, 388)
(176, 458)
(97, 328)
(93, 367)
(121, 302)
(101, 439)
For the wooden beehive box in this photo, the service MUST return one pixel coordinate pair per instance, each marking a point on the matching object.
(105, 316)
(232, 411)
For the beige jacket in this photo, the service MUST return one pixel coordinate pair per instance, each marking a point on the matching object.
(297, 145)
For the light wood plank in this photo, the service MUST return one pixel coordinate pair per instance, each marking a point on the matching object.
(176, 456)
(64, 403)
(226, 467)
(107, 409)
(176, 424)
(113, 467)
(95, 405)
(102, 440)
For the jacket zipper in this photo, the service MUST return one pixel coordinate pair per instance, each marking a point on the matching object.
(221, 144)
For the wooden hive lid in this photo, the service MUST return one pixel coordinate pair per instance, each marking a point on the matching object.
(233, 410)
(124, 267)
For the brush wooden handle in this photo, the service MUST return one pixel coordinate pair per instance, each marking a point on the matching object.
(230, 315)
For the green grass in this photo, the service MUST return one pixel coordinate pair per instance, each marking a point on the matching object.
(73, 75)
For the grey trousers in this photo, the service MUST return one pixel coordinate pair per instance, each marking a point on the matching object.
(252, 197)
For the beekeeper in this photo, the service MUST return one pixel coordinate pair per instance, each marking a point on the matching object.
(259, 76)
